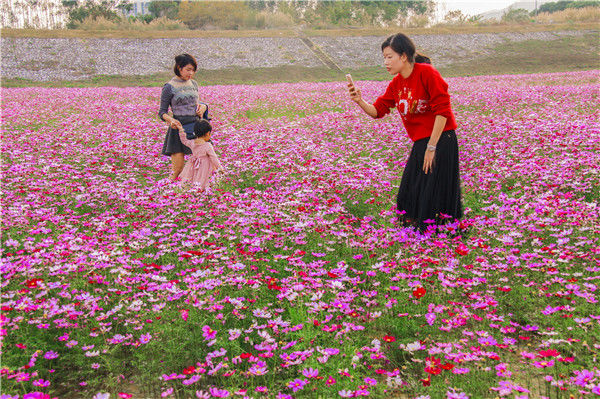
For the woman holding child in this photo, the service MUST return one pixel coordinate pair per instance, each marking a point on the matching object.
(181, 94)
(430, 185)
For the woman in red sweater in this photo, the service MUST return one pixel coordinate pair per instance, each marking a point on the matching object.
(430, 186)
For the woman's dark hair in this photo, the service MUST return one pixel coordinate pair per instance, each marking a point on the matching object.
(183, 60)
(202, 128)
(422, 59)
(402, 44)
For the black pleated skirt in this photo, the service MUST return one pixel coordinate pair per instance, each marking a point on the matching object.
(432, 198)
(173, 144)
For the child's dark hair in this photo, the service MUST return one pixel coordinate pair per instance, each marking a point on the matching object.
(183, 60)
(402, 44)
(202, 128)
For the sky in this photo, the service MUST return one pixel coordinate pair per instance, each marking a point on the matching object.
(471, 7)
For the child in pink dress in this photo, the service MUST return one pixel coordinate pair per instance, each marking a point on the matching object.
(204, 161)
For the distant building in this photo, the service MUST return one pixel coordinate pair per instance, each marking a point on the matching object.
(140, 7)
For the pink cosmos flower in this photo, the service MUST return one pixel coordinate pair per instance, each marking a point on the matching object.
(370, 381)
(50, 355)
(193, 379)
(310, 372)
(208, 333)
(36, 395)
(184, 314)
(219, 393)
(297, 384)
(145, 338)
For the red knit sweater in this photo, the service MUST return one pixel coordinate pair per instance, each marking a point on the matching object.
(419, 98)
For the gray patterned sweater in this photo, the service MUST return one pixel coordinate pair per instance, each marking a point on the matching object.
(181, 95)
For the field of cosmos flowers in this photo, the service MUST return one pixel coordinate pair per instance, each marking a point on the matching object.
(290, 278)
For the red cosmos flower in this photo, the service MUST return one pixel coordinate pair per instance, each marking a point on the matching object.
(433, 370)
(447, 366)
(419, 292)
(189, 370)
(549, 353)
(462, 249)
(33, 283)
(426, 382)
(432, 365)
(245, 355)
(332, 275)
(569, 359)
(389, 338)
(316, 323)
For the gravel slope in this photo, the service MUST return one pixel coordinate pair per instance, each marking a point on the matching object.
(72, 59)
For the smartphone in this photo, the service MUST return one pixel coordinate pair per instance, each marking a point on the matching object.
(349, 79)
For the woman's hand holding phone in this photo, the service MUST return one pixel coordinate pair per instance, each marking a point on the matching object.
(355, 94)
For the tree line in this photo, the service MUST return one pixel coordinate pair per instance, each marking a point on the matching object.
(258, 13)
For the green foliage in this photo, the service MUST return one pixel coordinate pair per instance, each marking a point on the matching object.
(146, 18)
(169, 9)
(563, 5)
(88, 9)
(516, 15)
(222, 14)
(365, 13)
(255, 13)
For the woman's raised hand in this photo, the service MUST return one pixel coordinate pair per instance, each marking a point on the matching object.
(201, 109)
(355, 93)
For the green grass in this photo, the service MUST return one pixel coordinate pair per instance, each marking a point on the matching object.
(293, 31)
(292, 113)
(533, 56)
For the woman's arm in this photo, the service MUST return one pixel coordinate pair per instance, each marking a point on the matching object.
(436, 132)
(356, 96)
(165, 101)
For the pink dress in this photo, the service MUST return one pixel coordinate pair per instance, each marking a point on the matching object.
(201, 164)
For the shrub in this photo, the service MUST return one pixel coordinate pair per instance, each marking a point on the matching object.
(563, 5)
(99, 23)
(516, 15)
(587, 14)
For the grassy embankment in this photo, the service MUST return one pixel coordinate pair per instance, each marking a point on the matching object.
(530, 56)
